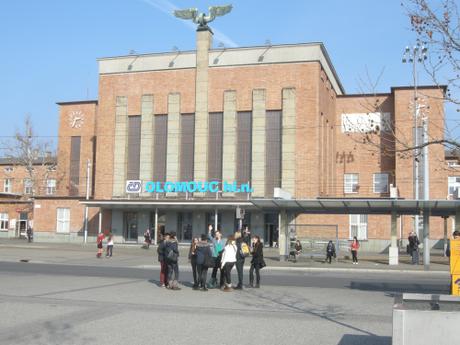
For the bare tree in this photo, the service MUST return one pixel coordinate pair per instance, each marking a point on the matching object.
(437, 26)
(27, 150)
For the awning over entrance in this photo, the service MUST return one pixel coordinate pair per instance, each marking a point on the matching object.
(189, 205)
(442, 208)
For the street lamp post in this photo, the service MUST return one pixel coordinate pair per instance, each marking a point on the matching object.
(85, 234)
(414, 55)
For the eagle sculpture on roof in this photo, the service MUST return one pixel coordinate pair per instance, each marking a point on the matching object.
(201, 18)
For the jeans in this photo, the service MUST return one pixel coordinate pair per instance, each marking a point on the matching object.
(354, 254)
(239, 269)
(163, 273)
(415, 259)
(329, 257)
(109, 250)
(228, 272)
(214, 274)
(194, 269)
(251, 274)
(173, 269)
(202, 275)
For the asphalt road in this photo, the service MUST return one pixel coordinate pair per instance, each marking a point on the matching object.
(419, 282)
(71, 304)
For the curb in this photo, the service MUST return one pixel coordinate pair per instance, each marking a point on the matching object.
(266, 269)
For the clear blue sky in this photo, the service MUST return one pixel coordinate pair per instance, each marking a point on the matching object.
(49, 47)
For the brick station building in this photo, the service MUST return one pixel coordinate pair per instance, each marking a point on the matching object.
(271, 116)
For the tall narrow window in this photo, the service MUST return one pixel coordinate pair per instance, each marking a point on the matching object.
(272, 152)
(4, 221)
(453, 183)
(63, 220)
(187, 147)
(215, 146)
(358, 226)
(381, 183)
(50, 186)
(28, 186)
(8, 185)
(160, 144)
(350, 183)
(74, 172)
(243, 152)
(134, 147)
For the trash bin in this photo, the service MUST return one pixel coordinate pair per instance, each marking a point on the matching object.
(423, 319)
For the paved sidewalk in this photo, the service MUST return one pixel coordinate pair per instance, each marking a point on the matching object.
(134, 256)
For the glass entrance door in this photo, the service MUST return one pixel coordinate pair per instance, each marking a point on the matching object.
(130, 232)
(22, 224)
(184, 226)
(271, 229)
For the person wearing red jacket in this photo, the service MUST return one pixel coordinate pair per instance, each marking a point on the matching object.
(354, 250)
(100, 238)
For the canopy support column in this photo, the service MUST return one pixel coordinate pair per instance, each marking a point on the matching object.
(393, 251)
(156, 226)
(426, 239)
(445, 235)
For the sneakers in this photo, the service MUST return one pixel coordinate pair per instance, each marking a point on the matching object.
(239, 287)
(227, 288)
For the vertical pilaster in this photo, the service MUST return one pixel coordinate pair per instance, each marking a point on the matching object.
(258, 142)
(203, 44)
(119, 157)
(229, 140)
(288, 141)
(147, 139)
(172, 155)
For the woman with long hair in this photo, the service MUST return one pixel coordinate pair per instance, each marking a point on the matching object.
(172, 258)
(227, 262)
(354, 250)
(192, 258)
(257, 261)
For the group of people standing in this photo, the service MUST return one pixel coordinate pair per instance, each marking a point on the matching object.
(100, 245)
(210, 251)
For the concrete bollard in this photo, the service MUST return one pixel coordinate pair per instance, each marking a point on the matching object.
(423, 319)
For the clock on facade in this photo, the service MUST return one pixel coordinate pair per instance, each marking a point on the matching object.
(76, 118)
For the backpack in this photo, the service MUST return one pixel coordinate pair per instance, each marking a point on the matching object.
(245, 249)
(209, 260)
(171, 256)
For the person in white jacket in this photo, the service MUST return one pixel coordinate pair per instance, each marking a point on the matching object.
(228, 260)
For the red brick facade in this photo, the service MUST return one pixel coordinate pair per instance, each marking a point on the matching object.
(324, 153)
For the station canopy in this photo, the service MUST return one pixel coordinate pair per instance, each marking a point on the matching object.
(442, 208)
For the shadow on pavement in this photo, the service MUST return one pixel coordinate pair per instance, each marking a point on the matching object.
(400, 287)
(331, 313)
(354, 339)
